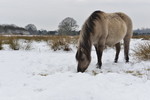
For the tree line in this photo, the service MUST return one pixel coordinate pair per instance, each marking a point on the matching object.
(142, 31)
(67, 26)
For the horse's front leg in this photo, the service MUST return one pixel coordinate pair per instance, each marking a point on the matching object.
(99, 52)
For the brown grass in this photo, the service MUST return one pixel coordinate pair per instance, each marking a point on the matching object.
(33, 37)
(142, 51)
(71, 39)
(60, 45)
(144, 37)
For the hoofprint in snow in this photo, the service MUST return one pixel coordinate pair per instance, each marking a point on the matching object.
(42, 74)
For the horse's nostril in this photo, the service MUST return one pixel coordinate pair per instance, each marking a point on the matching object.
(79, 69)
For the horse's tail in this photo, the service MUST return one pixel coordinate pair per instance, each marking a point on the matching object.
(87, 31)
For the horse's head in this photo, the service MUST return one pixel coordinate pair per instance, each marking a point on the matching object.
(83, 60)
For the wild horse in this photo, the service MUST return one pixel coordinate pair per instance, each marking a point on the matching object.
(103, 29)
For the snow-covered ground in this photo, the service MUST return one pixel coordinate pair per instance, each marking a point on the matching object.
(42, 74)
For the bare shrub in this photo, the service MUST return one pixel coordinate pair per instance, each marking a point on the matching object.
(60, 45)
(142, 51)
(14, 44)
(1, 45)
(26, 45)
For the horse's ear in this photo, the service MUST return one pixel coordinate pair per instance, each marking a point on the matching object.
(77, 55)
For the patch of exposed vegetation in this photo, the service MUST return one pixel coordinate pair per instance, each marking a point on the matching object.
(55, 42)
(143, 37)
(142, 51)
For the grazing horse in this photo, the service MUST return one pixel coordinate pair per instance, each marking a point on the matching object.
(103, 29)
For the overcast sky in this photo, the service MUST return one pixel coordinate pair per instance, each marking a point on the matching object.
(47, 14)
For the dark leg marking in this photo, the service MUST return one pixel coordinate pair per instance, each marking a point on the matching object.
(117, 52)
(99, 52)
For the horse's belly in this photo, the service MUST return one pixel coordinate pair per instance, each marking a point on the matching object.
(114, 39)
(110, 41)
(116, 33)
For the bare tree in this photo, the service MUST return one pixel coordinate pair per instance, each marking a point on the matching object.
(68, 26)
(31, 28)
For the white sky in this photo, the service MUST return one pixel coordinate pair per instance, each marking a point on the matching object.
(47, 14)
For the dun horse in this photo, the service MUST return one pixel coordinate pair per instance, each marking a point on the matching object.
(103, 29)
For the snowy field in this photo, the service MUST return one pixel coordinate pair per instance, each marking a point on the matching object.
(44, 74)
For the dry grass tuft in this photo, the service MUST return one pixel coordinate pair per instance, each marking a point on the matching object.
(14, 44)
(27, 45)
(60, 45)
(142, 52)
(1, 45)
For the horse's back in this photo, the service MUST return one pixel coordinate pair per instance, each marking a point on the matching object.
(119, 25)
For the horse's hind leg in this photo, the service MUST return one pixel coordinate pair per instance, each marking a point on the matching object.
(126, 48)
(117, 52)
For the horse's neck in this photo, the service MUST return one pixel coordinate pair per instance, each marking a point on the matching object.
(86, 45)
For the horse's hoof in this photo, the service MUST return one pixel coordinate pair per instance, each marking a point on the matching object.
(127, 61)
(98, 66)
(115, 61)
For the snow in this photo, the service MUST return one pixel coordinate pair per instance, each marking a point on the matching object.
(43, 74)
